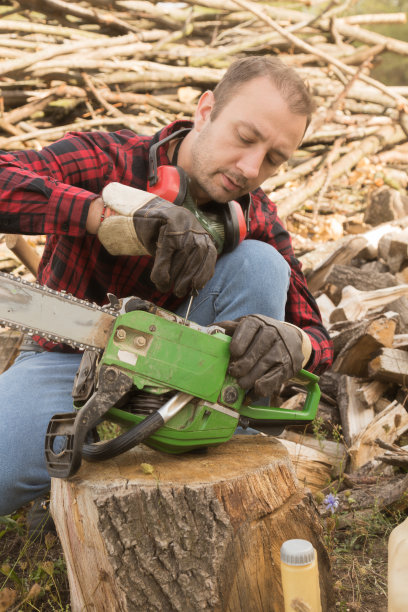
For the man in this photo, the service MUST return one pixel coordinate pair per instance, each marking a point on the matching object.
(145, 246)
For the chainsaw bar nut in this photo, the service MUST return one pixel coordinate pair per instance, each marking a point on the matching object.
(121, 334)
(140, 341)
(230, 395)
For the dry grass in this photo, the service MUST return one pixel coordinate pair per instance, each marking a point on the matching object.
(32, 569)
(359, 561)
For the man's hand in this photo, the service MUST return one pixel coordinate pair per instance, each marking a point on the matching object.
(265, 352)
(143, 223)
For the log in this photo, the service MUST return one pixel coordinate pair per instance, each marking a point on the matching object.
(388, 425)
(370, 38)
(10, 341)
(24, 251)
(318, 264)
(393, 249)
(326, 307)
(304, 46)
(370, 392)
(386, 493)
(400, 341)
(385, 204)
(371, 336)
(149, 531)
(394, 454)
(335, 453)
(354, 413)
(357, 304)
(312, 466)
(390, 365)
(341, 276)
(329, 384)
(342, 255)
(400, 307)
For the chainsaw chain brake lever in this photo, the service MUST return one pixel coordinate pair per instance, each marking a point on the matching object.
(73, 427)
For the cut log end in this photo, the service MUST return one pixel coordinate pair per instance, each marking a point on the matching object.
(200, 532)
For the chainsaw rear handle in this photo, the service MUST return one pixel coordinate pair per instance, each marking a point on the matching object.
(114, 387)
(282, 416)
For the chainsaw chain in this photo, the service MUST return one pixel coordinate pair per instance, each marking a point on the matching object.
(60, 295)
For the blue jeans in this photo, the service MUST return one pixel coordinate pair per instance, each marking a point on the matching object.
(254, 278)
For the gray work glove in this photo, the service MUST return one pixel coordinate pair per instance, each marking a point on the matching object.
(265, 352)
(184, 254)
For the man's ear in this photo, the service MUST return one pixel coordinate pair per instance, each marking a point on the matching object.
(203, 110)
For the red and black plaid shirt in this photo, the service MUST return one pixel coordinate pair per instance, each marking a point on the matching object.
(49, 192)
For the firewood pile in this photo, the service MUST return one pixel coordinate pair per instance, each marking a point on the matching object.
(359, 438)
(136, 64)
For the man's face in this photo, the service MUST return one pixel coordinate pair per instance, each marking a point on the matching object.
(253, 134)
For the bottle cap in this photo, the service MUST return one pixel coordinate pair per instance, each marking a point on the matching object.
(297, 552)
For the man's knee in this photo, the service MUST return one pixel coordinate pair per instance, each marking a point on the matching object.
(257, 263)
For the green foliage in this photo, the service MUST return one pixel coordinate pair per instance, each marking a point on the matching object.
(318, 429)
(389, 68)
(9, 524)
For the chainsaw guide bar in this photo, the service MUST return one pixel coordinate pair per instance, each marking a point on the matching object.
(54, 315)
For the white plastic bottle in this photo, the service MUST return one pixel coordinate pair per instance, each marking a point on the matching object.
(398, 568)
(300, 576)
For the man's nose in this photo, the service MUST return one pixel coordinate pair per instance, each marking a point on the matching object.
(250, 163)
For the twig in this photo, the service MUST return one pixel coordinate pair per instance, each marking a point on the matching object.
(111, 110)
(328, 165)
(336, 102)
(389, 134)
(40, 28)
(53, 51)
(318, 53)
(55, 132)
(90, 15)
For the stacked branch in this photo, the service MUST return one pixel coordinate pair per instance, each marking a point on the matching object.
(137, 64)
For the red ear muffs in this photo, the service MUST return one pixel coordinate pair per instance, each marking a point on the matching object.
(170, 184)
(235, 226)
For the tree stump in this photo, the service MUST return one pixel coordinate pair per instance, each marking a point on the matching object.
(200, 531)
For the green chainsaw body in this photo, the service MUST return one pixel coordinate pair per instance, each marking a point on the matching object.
(162, 355)
(165, 380)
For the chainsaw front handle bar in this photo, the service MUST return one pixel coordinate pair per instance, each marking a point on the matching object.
(113, 389)
(139, 433)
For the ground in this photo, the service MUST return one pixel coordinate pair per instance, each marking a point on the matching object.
(33, 573)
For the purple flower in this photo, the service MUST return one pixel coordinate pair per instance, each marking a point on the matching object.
(331, 502)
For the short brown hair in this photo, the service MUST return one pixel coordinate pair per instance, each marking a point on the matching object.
(286, 80)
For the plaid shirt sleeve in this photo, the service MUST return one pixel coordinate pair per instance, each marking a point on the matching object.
(301, 307)
(39, 188)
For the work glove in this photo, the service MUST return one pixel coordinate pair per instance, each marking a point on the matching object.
(143, 223)
(265, 352)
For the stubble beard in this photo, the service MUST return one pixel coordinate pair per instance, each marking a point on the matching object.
(204, 186)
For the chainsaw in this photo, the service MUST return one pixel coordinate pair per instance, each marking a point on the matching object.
(163, 378)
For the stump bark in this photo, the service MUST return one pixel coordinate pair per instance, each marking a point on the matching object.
(153, 532)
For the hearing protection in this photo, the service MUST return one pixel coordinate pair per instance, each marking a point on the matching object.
(227, 223)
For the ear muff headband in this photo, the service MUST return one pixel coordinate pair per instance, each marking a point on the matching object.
(168, 182)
